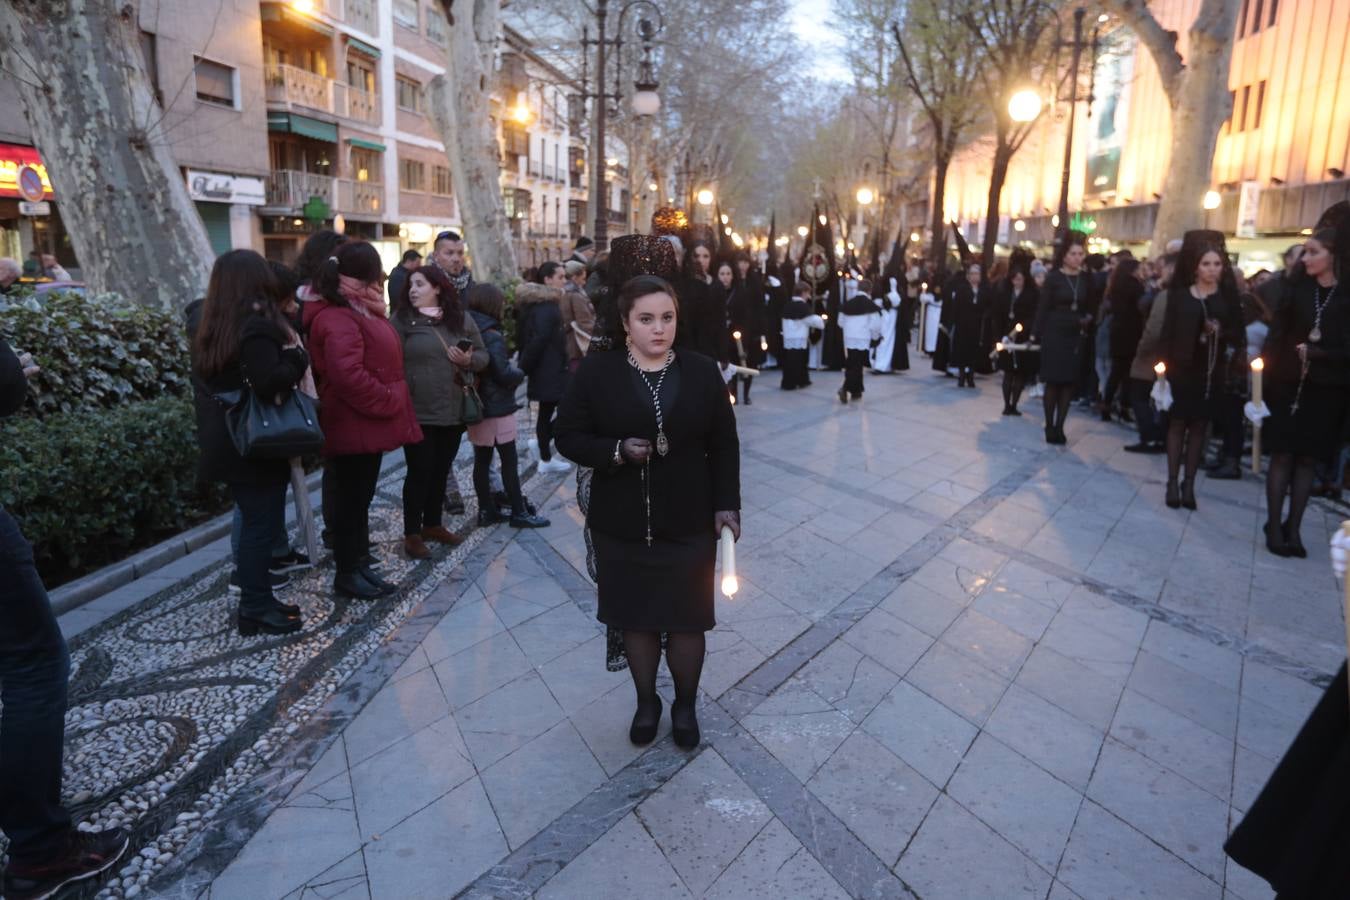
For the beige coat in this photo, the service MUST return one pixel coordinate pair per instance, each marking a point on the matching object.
(576, 307)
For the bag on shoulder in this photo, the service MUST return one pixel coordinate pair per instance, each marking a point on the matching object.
(263, 430)
(472, 410)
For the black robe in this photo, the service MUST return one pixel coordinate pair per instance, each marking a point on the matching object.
(832, 354)
(972, 339)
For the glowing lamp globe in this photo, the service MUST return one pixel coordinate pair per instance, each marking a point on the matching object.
(705, 197)
(1212, 200)
(865, 196)
(646, 102)
(802, 230)
(1024, 106)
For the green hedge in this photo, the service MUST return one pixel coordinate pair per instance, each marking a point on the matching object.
(96, 352)
(92, 486)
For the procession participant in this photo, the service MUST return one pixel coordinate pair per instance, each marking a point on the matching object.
(1060, 319)
(970, 321)
(745, 316)
(1014, 309)
(887, 304)
(861, 325)
(946, 292)
(1308, 366)
(1124, 289)
(703, 325)
(893, 354)
(799, 318)
(657, 427)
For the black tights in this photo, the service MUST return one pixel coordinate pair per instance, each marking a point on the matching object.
(745, 384)
(482, 462)
(1293, 476)
(1057, 399)
(684, 658)
(1012, 388)
(543, 429)
(1192, 431)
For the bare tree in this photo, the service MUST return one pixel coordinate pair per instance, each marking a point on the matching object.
(1197, 92)
(1017, 47)
(941, 65)
(461, 109)
(91, 108)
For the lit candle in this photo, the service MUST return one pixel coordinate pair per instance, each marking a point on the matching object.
(1161, 370)
(1345, 579)
(740, 348)
(1017, 329)
(730, 585)
(1258, 367)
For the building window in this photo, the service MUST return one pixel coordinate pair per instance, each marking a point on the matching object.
(405, 14)
(1257, 19)
(1232, 111)
(367, 165)
(412, 175)
(215, 83)
(1260, 106)
(437, 27)
(361, 74)
(150, 56)
(517, 140)
(411, 96)
(1242, 18)
(1274, 11)
(440, 181)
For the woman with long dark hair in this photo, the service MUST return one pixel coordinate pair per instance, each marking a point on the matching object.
(242, 342)
(1202, 330)
(1308, 366)
(365, 407)
(1124, 290)
(441, 348)
(744, 318)
(1013, 311)
(657, 427)
(1063, 314)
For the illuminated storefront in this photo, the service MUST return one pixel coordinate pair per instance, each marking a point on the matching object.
(30, 222)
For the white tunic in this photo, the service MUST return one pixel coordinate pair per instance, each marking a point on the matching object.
(890, 318)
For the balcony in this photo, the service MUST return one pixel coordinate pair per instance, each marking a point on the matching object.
(361, 15)
(294, 86)
(289, 190)
(354, 103)
(359, 197)
(537, 168)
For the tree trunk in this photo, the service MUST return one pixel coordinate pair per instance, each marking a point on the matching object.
(1199, 107)
(1003, 154)
(459, 105)
(93, 115)
(937, 250)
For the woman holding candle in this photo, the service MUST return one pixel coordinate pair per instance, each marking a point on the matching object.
(1201, 334)
(1063, 314)
(1308, 375)
(1014, 308)
(657, 427)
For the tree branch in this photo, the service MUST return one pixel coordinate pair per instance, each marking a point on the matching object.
(1161, 43)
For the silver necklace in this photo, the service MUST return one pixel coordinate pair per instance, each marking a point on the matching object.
(1315, 335)
(1077, 280)
(662, 444)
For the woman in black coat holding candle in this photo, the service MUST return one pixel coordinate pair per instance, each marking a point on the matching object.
(657, 427)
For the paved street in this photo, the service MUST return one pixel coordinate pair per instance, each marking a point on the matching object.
(963, 665)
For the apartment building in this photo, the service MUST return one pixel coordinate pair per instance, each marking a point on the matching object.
(293, 115)
(1281, 158)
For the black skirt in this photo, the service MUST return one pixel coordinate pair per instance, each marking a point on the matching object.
(1191, 399)
(1020, 362)
(1061, 347)
(1315, 430)
(665, 587)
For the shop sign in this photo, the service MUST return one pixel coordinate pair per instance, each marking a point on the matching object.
(1249, 204)
(29, 208)
(216, 187)
(22, 173)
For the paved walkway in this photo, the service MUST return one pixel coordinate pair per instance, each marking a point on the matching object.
(963, 664)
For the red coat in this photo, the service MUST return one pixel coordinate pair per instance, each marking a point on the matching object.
(364, 404)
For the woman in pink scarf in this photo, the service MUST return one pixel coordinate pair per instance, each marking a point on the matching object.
(364, 405)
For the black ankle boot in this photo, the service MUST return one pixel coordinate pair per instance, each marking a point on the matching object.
(646, 721)
(273, 620)
(1173, 496)
(354, 586)
(684, 725)
(1188, 493)
(1294, 542)
(369, 574)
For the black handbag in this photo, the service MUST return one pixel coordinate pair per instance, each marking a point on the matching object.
(264, 430)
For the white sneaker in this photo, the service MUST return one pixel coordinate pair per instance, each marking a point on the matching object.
(556, 464)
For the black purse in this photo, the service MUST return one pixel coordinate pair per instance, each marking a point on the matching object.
(263, 430)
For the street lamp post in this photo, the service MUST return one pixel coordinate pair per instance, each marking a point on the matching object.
(1076, 47)
(646, 101)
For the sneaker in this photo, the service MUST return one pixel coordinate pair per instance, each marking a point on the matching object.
(293, 561)
(528, 520)
(279, 580)
(556, 464)
(86, 854)
(454, 505)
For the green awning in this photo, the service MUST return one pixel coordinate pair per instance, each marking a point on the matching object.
(363, 47)
(303, 126)
(366, 145)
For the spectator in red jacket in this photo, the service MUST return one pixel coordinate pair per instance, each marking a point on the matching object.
(365, 407)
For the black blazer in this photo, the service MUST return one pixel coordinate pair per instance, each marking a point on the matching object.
(1183, 323)
(700, 476)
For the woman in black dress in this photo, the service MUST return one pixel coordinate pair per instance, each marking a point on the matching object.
(1014, 309)
(970, 316)
(1202, 330)
(745, 315)
(1308, 365)
(1124, 290)
(1063, 314)
(657, 427)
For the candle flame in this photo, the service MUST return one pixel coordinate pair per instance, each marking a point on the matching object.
(1160, 368)
(1258, 364)
(736, 335)
(999, 346)
(1018, 328)
(730, 585)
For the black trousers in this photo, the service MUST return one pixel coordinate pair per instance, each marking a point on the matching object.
(261, 507)
(793, 363)
(854, 363)
(429, 465)
(1231, 423)
(543, 428)
(34, 668)
(1151, 423)
(354, 478)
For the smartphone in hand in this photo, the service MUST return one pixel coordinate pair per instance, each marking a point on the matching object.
(465, 344)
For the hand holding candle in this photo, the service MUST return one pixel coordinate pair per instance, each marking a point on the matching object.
(1258, 368)
(730, 585)
(740, 348)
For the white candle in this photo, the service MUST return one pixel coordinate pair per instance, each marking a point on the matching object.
(740, 348)
(730, 585)
(1258, 367)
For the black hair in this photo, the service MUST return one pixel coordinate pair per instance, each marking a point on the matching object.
(546, 269)
(358, 260)
(486, 298)
(241, 285)
(287, 280)
(642, 286)
(409, 255)
(318, 247)
(1071, 238)
(453, 236)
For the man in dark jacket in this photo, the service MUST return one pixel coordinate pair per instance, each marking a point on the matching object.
(45, 850)
(399, 277)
